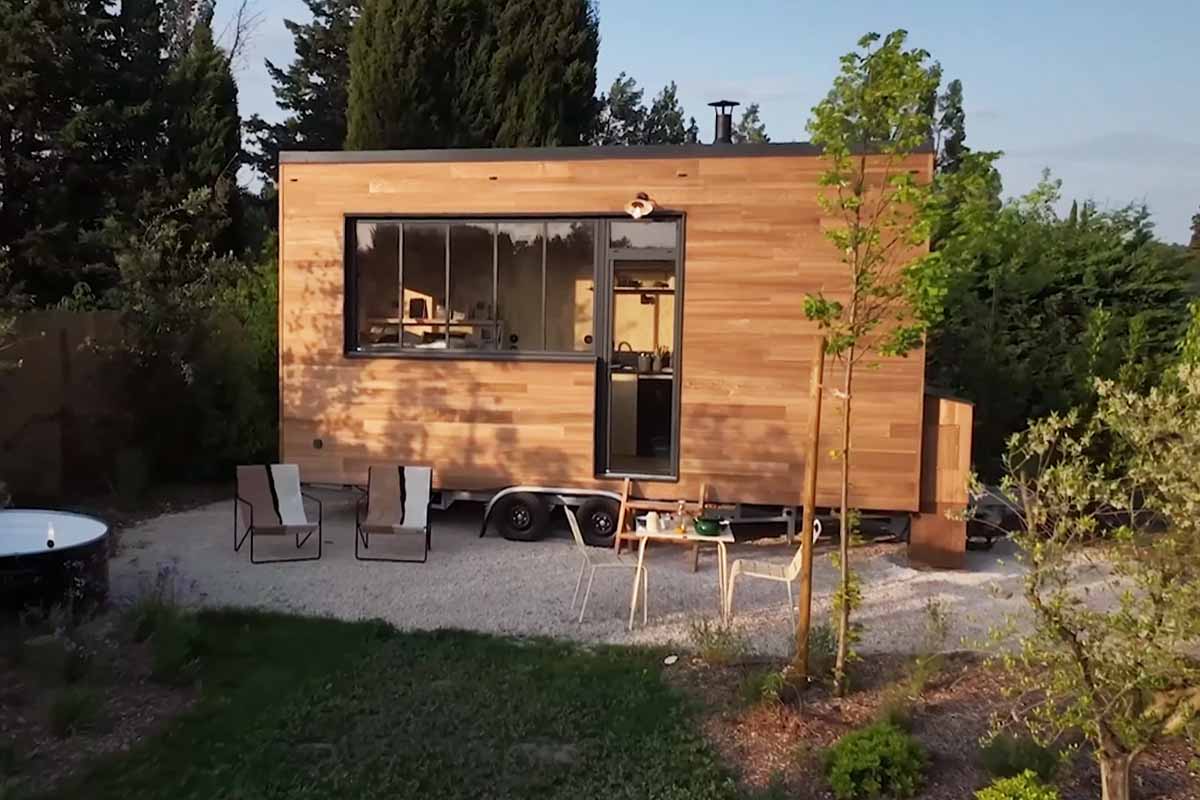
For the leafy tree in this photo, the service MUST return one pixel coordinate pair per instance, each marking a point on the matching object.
(1046, 302)
(471, 73)
(750, 128)
(872, 120)
(312, 90)
(622, 118)
(664, 121)
(1195, 243)
(951, 128)
(692, 134)
(1114, 660)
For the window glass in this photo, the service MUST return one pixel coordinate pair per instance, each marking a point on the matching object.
(627, 233)
(424, 301)
(377, 261)
(570, 285)
(519, 285)
(472, 321)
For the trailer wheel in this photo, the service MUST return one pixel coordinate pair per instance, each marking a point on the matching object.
(523, 517)
(598, 521)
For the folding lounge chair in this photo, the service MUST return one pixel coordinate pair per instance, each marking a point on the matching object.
(595, 558)
(397, 502)
(269, 503)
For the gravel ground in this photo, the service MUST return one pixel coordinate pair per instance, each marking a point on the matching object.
(520, 588)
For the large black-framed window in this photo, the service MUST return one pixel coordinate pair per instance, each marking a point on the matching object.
(472, 287)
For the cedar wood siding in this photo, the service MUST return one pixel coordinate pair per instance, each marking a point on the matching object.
(754, 247)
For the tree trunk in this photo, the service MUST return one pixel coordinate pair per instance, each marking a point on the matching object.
(843, 645)
(804, 601)
(1114, 776)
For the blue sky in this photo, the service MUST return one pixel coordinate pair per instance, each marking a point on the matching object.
(1105, 93)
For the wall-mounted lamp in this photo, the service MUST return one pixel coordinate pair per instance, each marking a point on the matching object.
(640, 206)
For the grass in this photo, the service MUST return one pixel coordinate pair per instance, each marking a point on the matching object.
(74, 709)
(312, 708)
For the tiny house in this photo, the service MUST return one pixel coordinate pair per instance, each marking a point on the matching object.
(570, 317)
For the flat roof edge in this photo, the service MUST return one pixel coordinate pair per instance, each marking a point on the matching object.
(582, 153)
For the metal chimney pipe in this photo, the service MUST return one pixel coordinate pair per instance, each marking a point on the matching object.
(723, 124)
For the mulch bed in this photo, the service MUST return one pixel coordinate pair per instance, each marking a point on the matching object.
(130, 707)
(783, 746)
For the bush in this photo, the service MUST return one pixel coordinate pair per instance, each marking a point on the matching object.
(177, 644)
(1008, 756)
(822, 650)
(880, 760)
(764, 687)
(75, 709)
(1025, 786)
(716, 642)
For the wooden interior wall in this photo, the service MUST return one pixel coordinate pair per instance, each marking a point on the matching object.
(754, 247)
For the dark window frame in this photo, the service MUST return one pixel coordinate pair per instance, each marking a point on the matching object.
(350, 347)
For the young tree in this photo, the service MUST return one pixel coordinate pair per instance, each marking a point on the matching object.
(664, 121)
(1114, 660)
(622, 118)
(874, 118)
(312, 90)
(750, 129)
(1195, 243)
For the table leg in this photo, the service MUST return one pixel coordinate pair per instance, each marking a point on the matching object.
(723, 577)
(637, 580)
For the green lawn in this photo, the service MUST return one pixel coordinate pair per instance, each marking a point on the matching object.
(307, 708)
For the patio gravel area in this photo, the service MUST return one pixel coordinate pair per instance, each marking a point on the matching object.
(519, 588)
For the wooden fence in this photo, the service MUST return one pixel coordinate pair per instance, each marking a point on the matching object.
(52, 438)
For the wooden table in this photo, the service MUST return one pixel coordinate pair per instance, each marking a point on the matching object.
(689, 537)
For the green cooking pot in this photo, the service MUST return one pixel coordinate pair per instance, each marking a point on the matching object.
(708, 526)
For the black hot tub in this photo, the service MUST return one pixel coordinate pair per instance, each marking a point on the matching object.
(50, 558)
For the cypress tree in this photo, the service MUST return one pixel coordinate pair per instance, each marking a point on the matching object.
(312, 90)
(471, 73)
(544, 72)
(204, 130)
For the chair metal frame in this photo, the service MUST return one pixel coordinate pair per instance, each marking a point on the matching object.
(364, 538)
(250, 529)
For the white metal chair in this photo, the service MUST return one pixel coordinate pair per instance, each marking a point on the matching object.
(768, 571)
(595, 558)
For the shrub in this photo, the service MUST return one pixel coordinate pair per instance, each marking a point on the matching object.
(765, 687)
(822, 650)
(716, 642)
(75, 709)
(1008, 756)
(1025, 786)
(877, 761)
(177, 644)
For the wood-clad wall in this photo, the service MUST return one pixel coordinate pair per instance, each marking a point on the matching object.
(754, 248)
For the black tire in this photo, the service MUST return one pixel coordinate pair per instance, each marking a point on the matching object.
(598, 520)
(522, 517)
